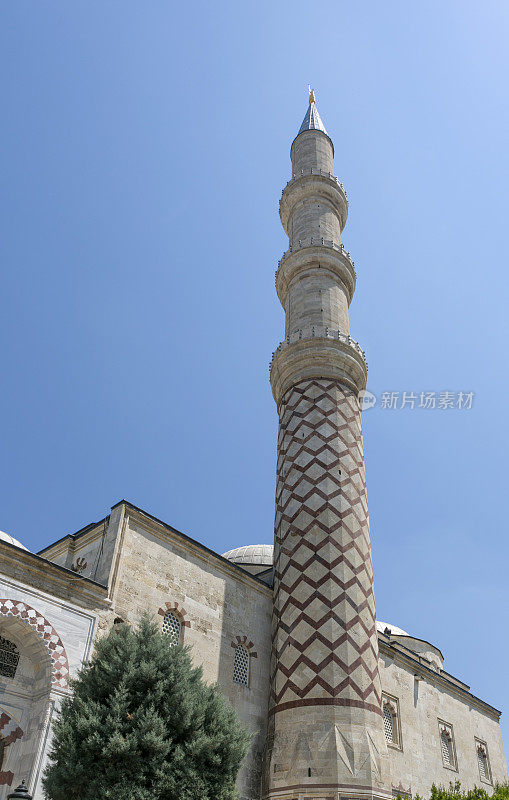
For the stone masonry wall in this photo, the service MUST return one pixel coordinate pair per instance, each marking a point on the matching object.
(218, 604)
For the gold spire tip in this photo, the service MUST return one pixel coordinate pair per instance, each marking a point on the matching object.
(311, 95)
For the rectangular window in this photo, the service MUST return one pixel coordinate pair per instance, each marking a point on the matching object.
(447, 746)
(392, 725)
(483, 761)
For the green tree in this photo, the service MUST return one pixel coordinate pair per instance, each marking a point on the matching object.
(143, 725)
(455, 792)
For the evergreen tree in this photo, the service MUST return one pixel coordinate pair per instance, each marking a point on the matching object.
(455, 792)
(143, 725)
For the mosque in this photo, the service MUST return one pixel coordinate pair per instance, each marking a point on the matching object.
(340, 705)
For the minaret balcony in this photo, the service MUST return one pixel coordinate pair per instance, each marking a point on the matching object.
(317, 352)
(315, 254)
(313, 183)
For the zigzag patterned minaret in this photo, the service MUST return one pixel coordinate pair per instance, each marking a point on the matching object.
(325, 732)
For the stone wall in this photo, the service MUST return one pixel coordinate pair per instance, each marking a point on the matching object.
(218, 603)
(423, 703)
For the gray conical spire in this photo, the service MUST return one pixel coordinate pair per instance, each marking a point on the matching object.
(312, 120)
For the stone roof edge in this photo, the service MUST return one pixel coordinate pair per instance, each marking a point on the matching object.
(55, 572)
(224, 562)
(76, 535)
(453, 684)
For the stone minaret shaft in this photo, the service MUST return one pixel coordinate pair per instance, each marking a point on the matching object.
(325, 731)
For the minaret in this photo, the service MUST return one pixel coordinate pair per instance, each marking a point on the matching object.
(325, 735)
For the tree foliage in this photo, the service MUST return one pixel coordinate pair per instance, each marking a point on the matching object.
(455, 792)
(143, 725)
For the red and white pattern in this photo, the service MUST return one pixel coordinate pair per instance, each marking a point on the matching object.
(244, 642)
(325, 649)
(178, 610)
(46, 632)
(9, 728)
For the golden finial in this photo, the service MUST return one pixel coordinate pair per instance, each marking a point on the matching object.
(311, 95)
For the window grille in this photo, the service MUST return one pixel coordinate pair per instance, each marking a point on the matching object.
(446, 749)
(9, 658)
(482, 759)
(172, 627)
(389, 724)
(241, 666)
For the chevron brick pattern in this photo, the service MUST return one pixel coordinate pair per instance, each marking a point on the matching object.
(325, 649)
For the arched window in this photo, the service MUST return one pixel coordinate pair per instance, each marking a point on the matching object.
(482, 760)
(172, 627)
(241, 665)
(389, 726)
(9, 658)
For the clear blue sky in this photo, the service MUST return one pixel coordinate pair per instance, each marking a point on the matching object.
(144, 149)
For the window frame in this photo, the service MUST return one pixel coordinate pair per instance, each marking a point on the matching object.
(479, 743)
(393, 704)
(446, 729)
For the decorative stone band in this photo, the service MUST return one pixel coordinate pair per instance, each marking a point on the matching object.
(329, 190)
(326, 258)
(331, 791)
(314, 240)
(315, 171)
(243, 640)
(46, 632)
(317, 352)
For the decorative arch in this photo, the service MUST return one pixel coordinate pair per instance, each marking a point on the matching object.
(243, 641)
(46, 632)
(178, 610)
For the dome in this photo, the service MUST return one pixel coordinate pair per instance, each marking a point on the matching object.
(381, 626)
(256, 554)
(6, 537)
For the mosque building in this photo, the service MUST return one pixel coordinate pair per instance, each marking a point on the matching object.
(340, 705)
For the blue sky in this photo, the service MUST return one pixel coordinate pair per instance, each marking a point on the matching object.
(144, 149)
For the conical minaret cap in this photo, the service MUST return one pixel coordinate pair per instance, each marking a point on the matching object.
(312, 121)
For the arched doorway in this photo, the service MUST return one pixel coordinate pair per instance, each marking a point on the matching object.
(31, 658)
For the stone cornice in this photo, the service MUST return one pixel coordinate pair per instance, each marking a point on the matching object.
(61, 545)
(328, 258)
(317, 352)
(303, 187)
(423, 669)
(53, 578)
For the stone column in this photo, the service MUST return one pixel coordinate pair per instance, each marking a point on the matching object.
(326, 735)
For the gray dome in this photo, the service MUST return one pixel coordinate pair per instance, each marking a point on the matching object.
(6, 537)
(381, 626)
(259, 554)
